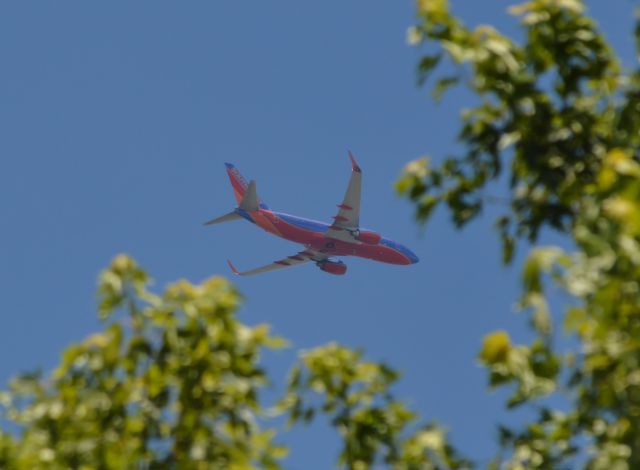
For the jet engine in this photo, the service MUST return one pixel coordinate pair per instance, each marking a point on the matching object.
(333, 267)
(368, 237)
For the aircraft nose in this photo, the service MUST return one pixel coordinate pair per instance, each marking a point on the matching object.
(403, 255)
(412, 256)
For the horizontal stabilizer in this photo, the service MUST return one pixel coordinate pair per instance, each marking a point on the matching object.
(225, 218)
(233, 268)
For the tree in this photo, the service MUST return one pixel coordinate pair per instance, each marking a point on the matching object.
(174, 381)
(561, 115)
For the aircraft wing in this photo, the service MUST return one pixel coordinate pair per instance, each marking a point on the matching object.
(348, 218)
(290, 261)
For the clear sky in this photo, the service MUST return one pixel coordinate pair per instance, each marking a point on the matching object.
(116, 118)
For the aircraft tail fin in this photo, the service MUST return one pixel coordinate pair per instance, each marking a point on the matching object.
(250, 202)
(233, 215)
(239, 184)
(246, 196)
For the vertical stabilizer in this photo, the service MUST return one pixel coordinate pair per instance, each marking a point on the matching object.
(239, 185)
(250, 202)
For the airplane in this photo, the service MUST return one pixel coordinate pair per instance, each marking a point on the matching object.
(322, 242)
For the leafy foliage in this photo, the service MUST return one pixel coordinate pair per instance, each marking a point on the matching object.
(561, 116)
(174, 381)
(372, 424)
(548, 111)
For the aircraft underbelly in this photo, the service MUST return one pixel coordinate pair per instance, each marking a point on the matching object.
(379, 252)
(317, 241)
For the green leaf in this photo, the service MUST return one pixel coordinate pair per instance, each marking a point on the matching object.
(426, 66)
(495, 348)
(442, 85)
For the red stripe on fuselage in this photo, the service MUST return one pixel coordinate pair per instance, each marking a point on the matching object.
(316, 240)
(266, 220)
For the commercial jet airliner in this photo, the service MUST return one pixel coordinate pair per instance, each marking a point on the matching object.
(321, 241)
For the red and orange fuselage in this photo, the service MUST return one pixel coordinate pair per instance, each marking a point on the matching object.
(311, 234)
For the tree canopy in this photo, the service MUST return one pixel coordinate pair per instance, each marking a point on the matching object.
(174, 380)
(559, 114)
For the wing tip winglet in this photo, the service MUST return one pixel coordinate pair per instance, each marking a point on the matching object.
(354, 165)
(233, 268)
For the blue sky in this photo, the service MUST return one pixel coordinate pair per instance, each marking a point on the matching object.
(116, 118)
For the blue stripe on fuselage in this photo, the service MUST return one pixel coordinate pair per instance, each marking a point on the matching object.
(244, 214)
(400, 248)
(305, 224)
(320, 227)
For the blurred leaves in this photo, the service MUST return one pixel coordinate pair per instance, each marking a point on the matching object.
(558, 113)
(174, 381)
(547, 110)
(375, 428)
(495, 348)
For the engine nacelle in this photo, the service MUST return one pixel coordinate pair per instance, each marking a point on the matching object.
(333, 267)
(370, 238)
